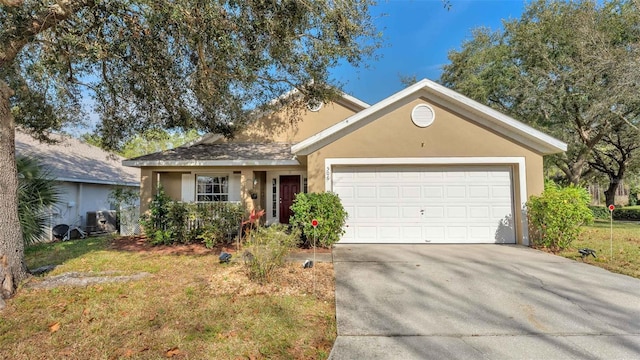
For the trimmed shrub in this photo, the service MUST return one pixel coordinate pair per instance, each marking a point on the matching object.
(217, 222)
(155, 222)
(599, 212)
(266, 249)
(171, 222)
(556, 216)
(633, 195)
(627, 213)
(324, 207)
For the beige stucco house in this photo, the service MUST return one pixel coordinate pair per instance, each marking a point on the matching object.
(425, 165)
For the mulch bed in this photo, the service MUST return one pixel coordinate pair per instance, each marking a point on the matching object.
(141, 245)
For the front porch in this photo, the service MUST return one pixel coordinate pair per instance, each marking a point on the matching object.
(257, 188)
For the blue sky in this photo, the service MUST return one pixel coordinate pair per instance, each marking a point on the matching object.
(418, 34)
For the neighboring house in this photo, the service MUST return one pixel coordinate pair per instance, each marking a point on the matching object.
(86, 176)
(425, 165)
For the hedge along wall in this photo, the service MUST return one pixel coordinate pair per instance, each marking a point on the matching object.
(631, 213)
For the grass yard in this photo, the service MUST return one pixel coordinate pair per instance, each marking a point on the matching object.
(189, 307)
(626, 246)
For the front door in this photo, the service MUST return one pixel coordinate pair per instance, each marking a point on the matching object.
(289, 187)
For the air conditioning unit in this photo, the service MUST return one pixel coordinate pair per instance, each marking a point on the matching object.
(107, 221)
(92, 222)
(102, 221)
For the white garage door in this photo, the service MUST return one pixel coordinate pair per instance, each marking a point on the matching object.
(471, 204)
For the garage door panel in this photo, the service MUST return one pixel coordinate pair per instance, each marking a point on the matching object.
(426, 204)
(500, 212)
(388, 192)
(389, 212)
(434, 234)
(456, 192)
(479, 212)
(434, 212)
(481, 192)
(456, 212)
(345, 192)
(389, 232)
(412, 234)
(410, 192)
(411, 212)
(433, 192)
(366, 233)
(366, 192)
(479, 233)
(502, 192)
(457, 233)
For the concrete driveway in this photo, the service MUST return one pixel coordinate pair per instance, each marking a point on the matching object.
(480, 302)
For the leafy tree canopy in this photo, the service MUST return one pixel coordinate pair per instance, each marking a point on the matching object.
(148, 142)
(179, 64)
(171, 64)
(568, 68)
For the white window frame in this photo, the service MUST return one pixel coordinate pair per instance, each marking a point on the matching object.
(213, 194)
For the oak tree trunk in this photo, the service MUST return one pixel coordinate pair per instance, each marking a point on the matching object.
(610, 193)
(12, 267)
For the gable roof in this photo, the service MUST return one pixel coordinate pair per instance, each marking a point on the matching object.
(344, 99)
(75, 161)
(441, 95)
(221, 154)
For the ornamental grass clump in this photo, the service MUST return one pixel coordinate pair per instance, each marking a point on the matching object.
(266, 250)
(556, 216)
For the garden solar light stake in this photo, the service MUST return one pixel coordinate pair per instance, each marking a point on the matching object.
(314, 223)
(611, 208)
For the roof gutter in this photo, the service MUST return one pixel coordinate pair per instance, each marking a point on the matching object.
(163, 163)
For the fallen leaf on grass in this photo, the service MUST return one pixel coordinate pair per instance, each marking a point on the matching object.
(128, 353)
(173, 352)
(85, 312)
(54, 327)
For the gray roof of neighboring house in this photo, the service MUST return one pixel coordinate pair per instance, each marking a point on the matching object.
(219, 154)
(73, 160)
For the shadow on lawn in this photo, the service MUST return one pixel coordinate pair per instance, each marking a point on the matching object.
(56, 253)
(140, 244)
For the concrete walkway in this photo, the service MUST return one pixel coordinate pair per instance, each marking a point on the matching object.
(480, 302)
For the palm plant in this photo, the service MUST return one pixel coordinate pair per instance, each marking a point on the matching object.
(36, 193)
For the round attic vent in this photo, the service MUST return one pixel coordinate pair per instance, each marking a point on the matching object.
(314, 105)
(423, 115)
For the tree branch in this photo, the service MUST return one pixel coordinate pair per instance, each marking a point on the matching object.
(15, 38)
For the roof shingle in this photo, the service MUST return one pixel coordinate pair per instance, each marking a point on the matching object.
(73, 160)
(222, 151)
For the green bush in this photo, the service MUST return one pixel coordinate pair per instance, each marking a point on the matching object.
(556, 216)
(633, 195)
(170, 222)
(266, 249)
(599, 212)
(324, 207)
(218, 221)
(155, 222)
(627, 213)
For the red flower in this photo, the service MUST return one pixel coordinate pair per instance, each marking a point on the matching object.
(253, 217)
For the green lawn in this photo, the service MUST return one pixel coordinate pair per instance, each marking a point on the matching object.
(190, 307)
(626, 246)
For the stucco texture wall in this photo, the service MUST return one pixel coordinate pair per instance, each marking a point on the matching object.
(392, 134)
(287, 127)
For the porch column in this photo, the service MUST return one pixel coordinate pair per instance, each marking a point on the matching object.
(148, 188)
(246, 184)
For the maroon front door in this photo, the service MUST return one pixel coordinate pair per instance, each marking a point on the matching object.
(289, 187)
